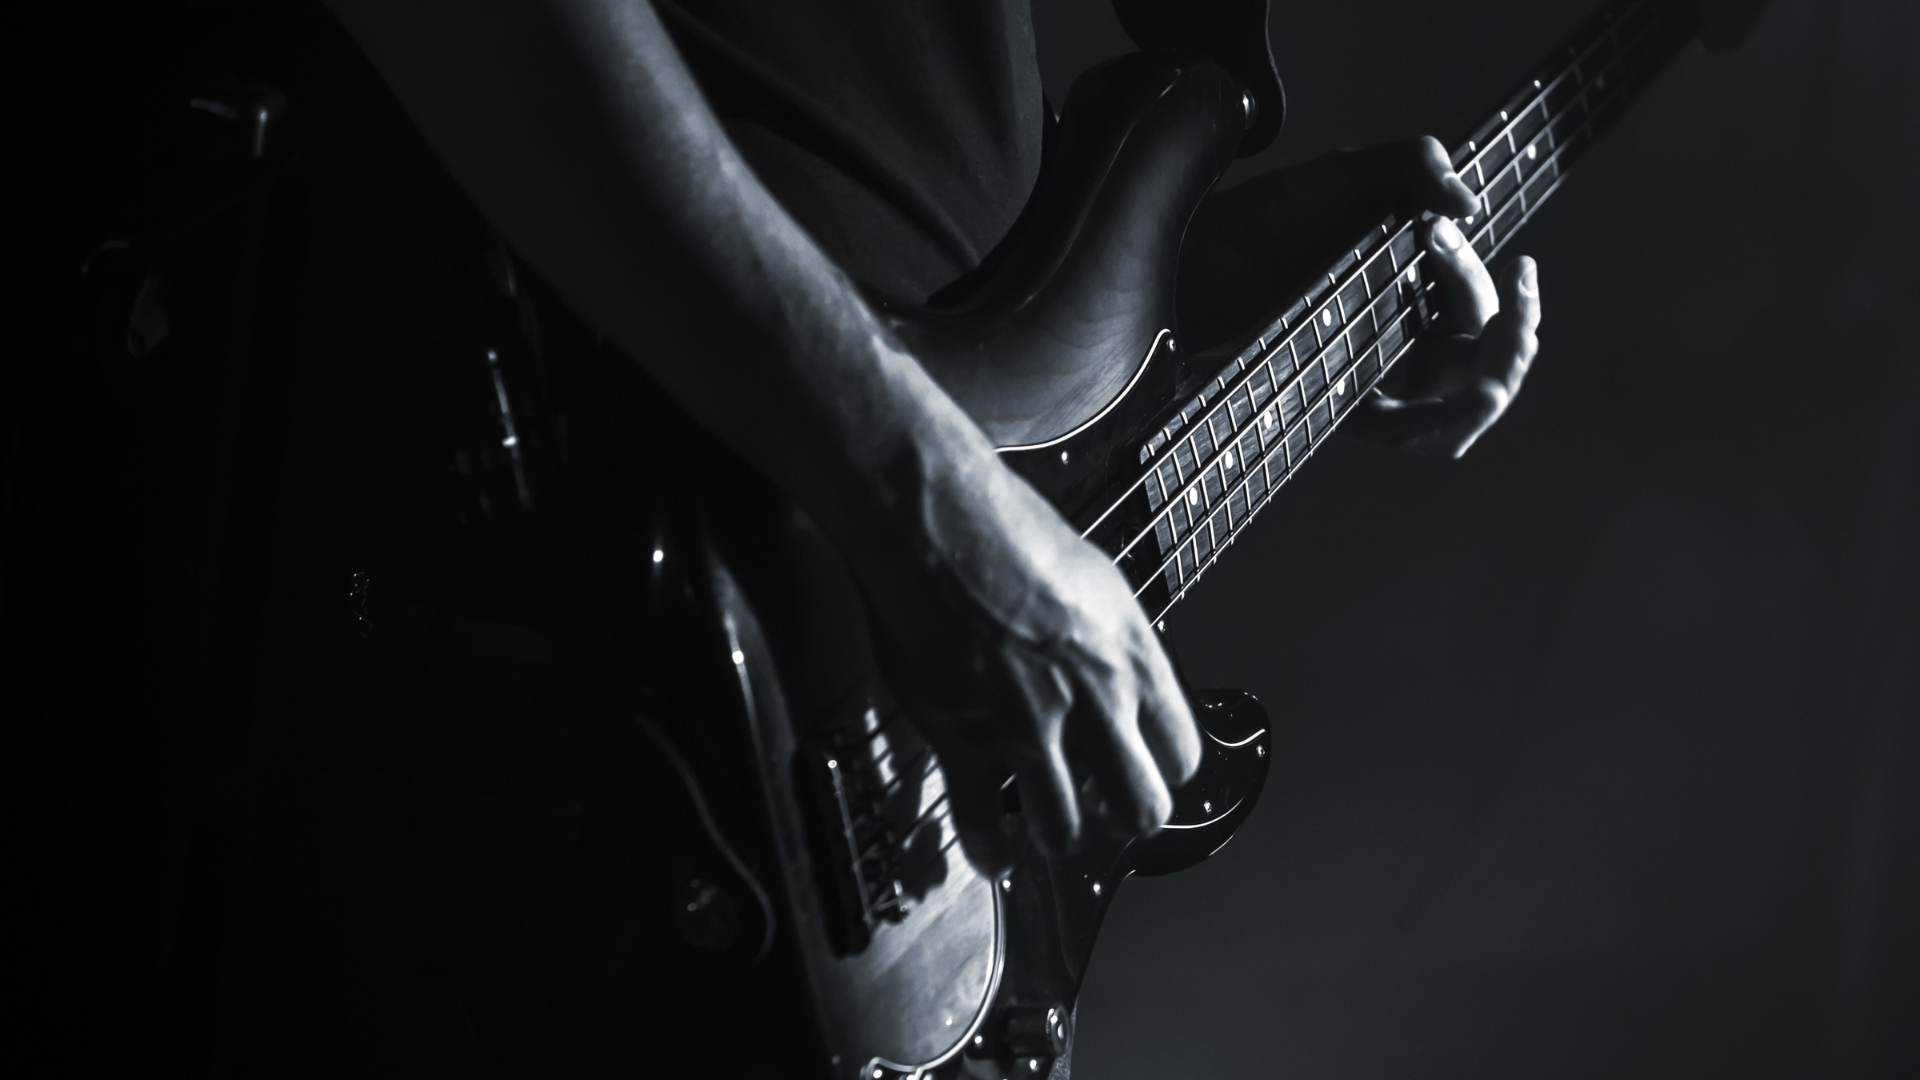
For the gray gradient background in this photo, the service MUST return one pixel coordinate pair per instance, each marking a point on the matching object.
(1597, 750)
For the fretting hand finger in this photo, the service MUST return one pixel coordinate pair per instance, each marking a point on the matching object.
(1277, 232)
(1470, 294)
(1501, 357)
(1105, 734)
(1462, 385)
(1416, 169)
(1508, 344)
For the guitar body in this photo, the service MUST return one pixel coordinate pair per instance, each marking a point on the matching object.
(916, 964)
(840, 868)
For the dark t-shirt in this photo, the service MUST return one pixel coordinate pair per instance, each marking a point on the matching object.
(904, 136)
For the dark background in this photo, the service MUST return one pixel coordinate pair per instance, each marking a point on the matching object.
(1597, 750)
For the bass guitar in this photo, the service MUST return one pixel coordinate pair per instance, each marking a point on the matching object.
(840, 866)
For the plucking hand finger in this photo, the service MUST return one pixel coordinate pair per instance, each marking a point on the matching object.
(1048, 800)
(1409, 173)
(974, 795)
(1166, 721)
(1128, 777)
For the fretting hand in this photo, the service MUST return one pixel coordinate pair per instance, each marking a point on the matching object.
(1269, 236)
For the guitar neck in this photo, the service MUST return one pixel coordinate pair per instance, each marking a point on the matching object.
(1217, 460)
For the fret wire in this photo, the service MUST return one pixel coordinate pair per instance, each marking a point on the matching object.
(1221, 389)
(1242, 486)
(1527, 213)
(1282, 386)
(1203, 563)
(1570, 69)
(1492, 212)
(1182, 492)
(1545, 91)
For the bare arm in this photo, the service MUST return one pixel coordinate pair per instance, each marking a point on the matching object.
(578, 130)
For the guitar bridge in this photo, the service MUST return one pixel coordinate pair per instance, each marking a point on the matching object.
(878, 824)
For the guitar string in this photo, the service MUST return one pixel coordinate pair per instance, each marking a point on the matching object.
(1316, 352)
(940, 812)
(1283, 332)
(1229, 517)
(1572, 66)
(1275, 475)
(1624, 87)
(936, 813)
(1276, 331)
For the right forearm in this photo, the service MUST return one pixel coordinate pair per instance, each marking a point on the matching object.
(579, 132)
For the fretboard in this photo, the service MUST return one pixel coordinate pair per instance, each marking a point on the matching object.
(1218, 460)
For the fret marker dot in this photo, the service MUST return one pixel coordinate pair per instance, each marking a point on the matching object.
(1532, 151)
(659, 556)
(1468, 219)
(1227, 459)
(1341, 386)
(1536, 84)
(1326, 317)
(1503, 114)
(1413, 274)
(1471, 146)
(1063, 457)
(1193, 497)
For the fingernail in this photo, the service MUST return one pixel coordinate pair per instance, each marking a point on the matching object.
(1448, 234)
(1529, 280)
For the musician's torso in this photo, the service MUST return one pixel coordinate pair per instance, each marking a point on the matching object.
(904, 137)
